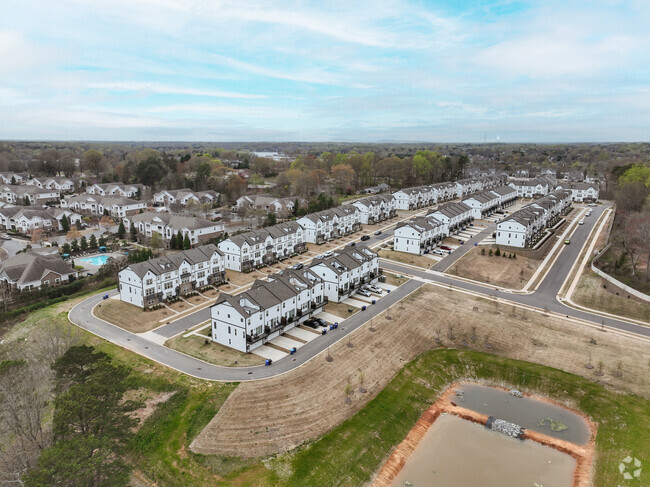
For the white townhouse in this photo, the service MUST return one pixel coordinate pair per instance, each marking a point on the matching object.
(116, 189)
(182, 197)
(26, 219)
(64, 185)
(14, 177)
(444, 191)
(247, 251)
(326, 225)
(581, 192)
(410, 198)
(120, 207)
(453, 216)
(167, 225)
(83, 204)
(417, 235)
(507, 195)
(375, 209)
(250, 319)
(482, 203)
(530, 188)
(346, 270)
(17, 194)
(150, 282)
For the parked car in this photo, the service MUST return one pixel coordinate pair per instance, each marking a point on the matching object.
(6, 237)
(328, 254)
(591, 204)
(363, 292)
(445, 247)
(365, 237)
(581, 222)
(499, 212)
(320, 322)
(375, 289)
(298, 266)
(378, 232)
(352, 244)
(312, 323)
(439, 252)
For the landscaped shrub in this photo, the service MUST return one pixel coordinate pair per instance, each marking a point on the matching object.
(483, 251)
(498, 252)
(490, 253)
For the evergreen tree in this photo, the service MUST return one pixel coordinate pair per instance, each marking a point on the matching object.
(74, 245)
(498, 252)
(179, 240)
(102, 242)
(26, 201)
(121, 231)
(92, 243)
(84, 243)
(172, 242)
(65, 223)
(66, 248)
(186, 242)
(134, 233)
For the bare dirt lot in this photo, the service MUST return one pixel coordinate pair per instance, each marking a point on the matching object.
(590, 293)
(340, 309)
(263, 418)
(131, 317)
(499, 271)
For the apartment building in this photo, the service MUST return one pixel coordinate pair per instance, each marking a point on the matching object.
(19, 194)
(116, 189)
(117, 207)
(375, 209)
(418, 234)
(182, 197)
(26, 219)
(148, 283)
(453, 216)
(326, 225)
(167, 225)
(35, 269)
(581, 192)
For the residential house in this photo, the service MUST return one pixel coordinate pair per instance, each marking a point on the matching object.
(182, 197)
(582, 192)
(35, 269)
(64, 185)
(530, 188)
(117, 207)
(281, 207)
(148, 283)
(19, 194)
(116, 189)
(507, 195)
(14, 177)
(26, 219)
(375, 209)
(268, 309)
(453, 216)
(418, 235)
(168, 225)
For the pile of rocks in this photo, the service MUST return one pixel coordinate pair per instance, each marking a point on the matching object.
(507, 428)
(516, 393)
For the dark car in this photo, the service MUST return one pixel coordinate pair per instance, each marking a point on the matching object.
(320, 322)
(445, 247)
(352, 244)
(311, 323)
(365, 237)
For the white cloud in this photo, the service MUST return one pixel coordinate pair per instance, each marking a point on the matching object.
(159, 88)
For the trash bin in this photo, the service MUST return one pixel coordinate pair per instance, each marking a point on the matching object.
(292, 351)
(268, 361)
(324, 331)
(374, 301)
(336, 325)
(363, 308)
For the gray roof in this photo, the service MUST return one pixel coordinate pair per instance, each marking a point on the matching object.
(33, 266)
(162, 265)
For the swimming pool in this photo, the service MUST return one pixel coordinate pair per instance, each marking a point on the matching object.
(98, 260)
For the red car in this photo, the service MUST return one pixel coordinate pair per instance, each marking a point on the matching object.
(444, 247)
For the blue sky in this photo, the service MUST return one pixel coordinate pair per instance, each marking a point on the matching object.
(380, 70)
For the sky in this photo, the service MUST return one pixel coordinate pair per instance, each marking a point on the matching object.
(349, 71)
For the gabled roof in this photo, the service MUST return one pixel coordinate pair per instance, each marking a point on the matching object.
(171, 262)
(33, 266)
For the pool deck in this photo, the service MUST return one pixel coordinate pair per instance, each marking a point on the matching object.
(583, 454)
(89, 267)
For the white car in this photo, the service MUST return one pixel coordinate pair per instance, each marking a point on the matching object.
(581, 222)
(439, 252)
(363, 292)
(372, 288)
(328, 254)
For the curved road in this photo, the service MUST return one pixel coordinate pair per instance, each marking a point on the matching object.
(543, 298)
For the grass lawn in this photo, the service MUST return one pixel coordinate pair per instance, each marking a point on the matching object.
(351, 453)
(340, 309)
(131, 317)
(590, 293)
(212, 352)
(405, 258)
(393, 279)
(499, 271)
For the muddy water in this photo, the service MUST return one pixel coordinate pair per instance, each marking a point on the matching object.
(525, 412)
(459, 453)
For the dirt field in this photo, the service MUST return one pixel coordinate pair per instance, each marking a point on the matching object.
(131, 317)
(500, 271)
(340, 309)
(590, 293)
(412, 259)
(263, 418)
(212, 352)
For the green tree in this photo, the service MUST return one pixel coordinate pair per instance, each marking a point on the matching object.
(421, 166)
(92, 242)
(133, 232)
(66, 248)
(172, 242)
(186, 242)
(121, 231)
(26, 201)
(84, 243)
(179, 240)
(102, 242)
(74, 245)
(270, 220)
(156, 241)
(65, 223)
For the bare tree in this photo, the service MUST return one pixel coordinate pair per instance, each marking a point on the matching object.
(626, 237)
(643, 238)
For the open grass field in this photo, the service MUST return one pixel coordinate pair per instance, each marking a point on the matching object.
(131, 317)
(249, 424)
(590, 293)
(405, 258)
(499, 271)
(212, 352)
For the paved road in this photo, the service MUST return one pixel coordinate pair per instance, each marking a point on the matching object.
(544, 297)
(450, 259)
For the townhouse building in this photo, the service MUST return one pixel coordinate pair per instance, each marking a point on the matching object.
(63, 185)
(14, 177)
(151, 282)
(182, 197)
(507, 195)
(346, 270)
(530, 188)
(375, 209)
(19, 194)
(35, 269)
(482, 203)
(117, 207)
(452, 215)
(116, 189)
(281, 207)
(326, 225)
(581, 192)
(247, 251)
(26, 219)
(417, 235)
(167, 225)
(270, 308)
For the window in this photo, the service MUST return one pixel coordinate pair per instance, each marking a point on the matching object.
(168, 285)
(229, 331)
(149, 282)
